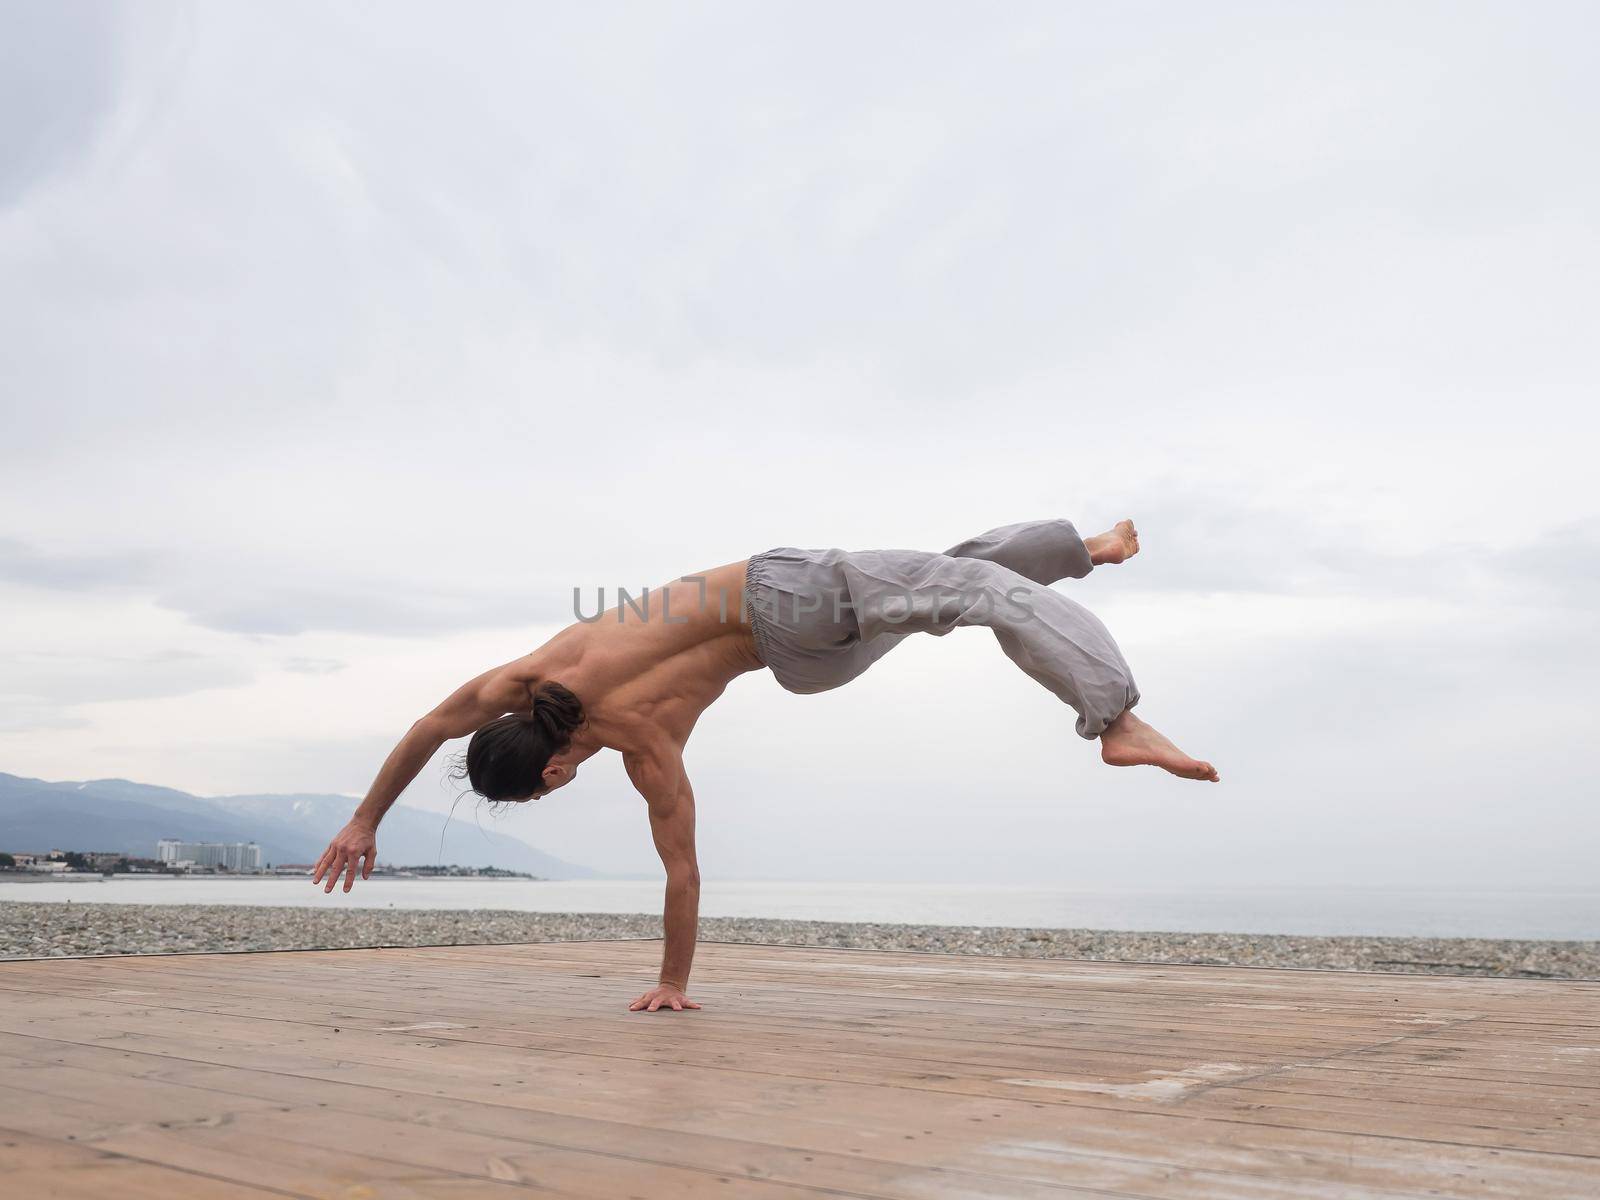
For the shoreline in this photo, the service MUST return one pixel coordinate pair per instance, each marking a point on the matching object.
(31, 929)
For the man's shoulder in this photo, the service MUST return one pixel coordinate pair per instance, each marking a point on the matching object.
(511, 687)
(650, 751)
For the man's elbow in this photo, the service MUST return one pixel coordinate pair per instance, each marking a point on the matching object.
(434, 728)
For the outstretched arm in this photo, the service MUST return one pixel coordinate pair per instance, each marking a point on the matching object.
(473, 704)
(661, 780)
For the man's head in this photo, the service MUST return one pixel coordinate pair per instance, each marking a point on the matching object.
(523, 755)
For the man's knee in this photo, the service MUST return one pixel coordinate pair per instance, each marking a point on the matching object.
(991, 591)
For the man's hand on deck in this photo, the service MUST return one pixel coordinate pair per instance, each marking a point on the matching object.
(354, 848)
(663, 995)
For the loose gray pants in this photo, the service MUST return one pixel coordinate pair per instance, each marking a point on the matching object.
(822, 617)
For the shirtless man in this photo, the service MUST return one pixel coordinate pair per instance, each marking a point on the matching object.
(636, 679)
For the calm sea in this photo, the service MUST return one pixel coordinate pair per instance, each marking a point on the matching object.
(1570, 913)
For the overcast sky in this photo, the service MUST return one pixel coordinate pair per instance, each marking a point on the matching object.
(341, 342)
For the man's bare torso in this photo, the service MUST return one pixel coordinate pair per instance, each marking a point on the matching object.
(647, 669)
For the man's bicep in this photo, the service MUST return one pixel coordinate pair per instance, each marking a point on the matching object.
(475, 703)
(665, 788)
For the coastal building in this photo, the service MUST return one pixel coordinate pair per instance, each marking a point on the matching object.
(230, 856)
(52, 862)
(59, 861)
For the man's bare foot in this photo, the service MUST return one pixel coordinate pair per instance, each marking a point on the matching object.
(1129, 742)
(1117, 544)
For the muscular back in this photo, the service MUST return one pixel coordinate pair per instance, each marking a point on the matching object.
(649, 669)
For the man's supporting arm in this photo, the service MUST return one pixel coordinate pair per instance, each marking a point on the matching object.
(662, 782)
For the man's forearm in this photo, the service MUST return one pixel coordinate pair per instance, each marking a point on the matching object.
(681, 919)
(398, 770)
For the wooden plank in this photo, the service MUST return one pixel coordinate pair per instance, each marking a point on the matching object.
(33, 1166)
(23, 1151)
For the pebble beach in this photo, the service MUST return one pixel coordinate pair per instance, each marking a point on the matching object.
(47, 930)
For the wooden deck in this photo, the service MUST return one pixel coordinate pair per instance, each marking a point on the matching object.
(498, 1070)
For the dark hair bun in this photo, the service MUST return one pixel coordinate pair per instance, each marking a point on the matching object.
(556, 712)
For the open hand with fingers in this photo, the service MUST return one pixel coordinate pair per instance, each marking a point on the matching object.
(661, 996)
(354, 848)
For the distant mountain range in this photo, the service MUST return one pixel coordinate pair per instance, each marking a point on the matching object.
(114, 814)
